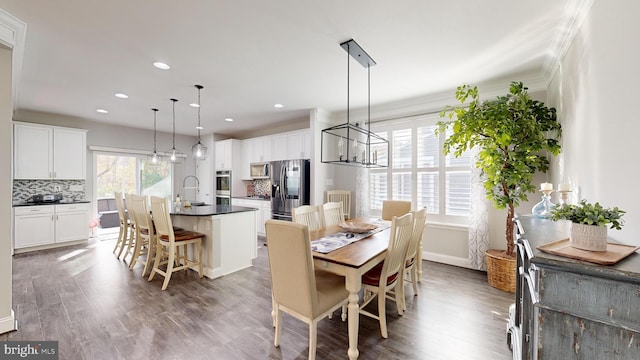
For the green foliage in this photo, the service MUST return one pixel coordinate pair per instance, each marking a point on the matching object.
(590, 214)
(513, 133)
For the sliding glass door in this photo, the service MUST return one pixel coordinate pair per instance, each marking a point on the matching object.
(130, 173)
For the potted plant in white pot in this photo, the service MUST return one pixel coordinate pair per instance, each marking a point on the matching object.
(513, 133)
(589, 223)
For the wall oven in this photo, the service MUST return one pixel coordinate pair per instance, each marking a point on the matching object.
(223, 187)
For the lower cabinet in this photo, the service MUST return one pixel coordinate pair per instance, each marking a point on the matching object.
(50, 224)
(72, 222)
(33, 226)
(262, 215)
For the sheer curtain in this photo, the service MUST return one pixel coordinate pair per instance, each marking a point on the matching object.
(478, 219)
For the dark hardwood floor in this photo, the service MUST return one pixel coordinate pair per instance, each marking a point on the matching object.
(89, 301)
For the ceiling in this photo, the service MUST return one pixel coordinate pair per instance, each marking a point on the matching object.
(252, 54)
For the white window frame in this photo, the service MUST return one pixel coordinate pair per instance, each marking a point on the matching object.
(414, 123)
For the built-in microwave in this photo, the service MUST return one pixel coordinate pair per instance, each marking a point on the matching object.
(259, 170)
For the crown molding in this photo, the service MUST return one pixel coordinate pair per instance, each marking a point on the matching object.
(13, 33)
(433, 103)
(573, 17)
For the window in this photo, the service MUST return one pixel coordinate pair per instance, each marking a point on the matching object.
(419, 172)
(131, 174)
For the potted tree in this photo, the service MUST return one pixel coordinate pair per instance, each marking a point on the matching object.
(588, 223)
(512, 133)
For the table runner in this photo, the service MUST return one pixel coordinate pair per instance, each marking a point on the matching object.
(340, 239)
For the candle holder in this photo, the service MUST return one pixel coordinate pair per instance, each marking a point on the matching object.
(543, 208)
(564, 195)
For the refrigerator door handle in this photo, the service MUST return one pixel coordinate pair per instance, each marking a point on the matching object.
(283, 183)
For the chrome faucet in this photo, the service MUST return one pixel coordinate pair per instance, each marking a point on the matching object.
(184, 183)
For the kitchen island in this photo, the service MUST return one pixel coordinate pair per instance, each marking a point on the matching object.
(230, 243)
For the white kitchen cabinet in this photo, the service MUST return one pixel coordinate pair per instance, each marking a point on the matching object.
(299, 143)
(228, 154)
(49, 152)
(262, 214)
(247, 153)
(71, 222)
(291, 145)
(261, 150)
(33, 226)
(280, 147)
(266, 215)
(224, 154)
(50, 224)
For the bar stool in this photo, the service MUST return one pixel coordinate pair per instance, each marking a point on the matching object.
(168, 243)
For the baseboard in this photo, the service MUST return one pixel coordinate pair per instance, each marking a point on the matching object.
(8, 323)
(447, 259)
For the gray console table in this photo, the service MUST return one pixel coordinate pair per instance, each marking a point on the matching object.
(571, 309)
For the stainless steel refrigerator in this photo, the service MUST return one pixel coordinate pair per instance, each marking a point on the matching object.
(290, 180)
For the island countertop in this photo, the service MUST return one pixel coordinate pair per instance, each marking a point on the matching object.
(210, 210)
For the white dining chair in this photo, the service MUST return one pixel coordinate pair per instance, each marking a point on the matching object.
(341, 196)
(332, 213)
(385, 279)
(308, 215)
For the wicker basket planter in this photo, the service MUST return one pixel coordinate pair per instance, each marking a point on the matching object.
(588, 237)
(501, 270)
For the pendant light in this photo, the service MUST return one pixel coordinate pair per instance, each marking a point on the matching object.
(175, 155)
(199, 151)
(352, 144)
(154, 158)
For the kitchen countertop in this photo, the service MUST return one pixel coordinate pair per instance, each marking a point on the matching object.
(24, 203)
(252, 198)
(210, 210)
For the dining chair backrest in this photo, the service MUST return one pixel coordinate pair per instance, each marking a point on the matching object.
(391, 208)
(162, 218)
(332, 213)
(343, 196)
(401, 230)
(291, 265)
(419, 219)
(122, 215)
(309, 216)
(128, 200)
(138, 205)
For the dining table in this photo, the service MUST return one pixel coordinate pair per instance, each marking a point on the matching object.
(352, 261)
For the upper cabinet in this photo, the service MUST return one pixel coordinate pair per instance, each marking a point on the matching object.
(261, 150)
(292, 145)
(224, 154)
(300, 144)
(49, 152)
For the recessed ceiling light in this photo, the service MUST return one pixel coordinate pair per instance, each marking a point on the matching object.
(102, 111)
(228, 119)
(194, 105)
(278, 106)
(161, 65)
(199, 127)
(122, 96)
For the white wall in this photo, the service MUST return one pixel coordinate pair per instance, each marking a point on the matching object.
(595, 91)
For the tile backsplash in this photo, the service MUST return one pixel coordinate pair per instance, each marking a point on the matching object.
(262, 187)
(24, 189)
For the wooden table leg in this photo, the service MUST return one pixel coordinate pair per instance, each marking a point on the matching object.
(353, 284)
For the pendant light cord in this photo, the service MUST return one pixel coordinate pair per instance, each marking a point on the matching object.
(199, 106)
(155, 111)
(174, 123)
